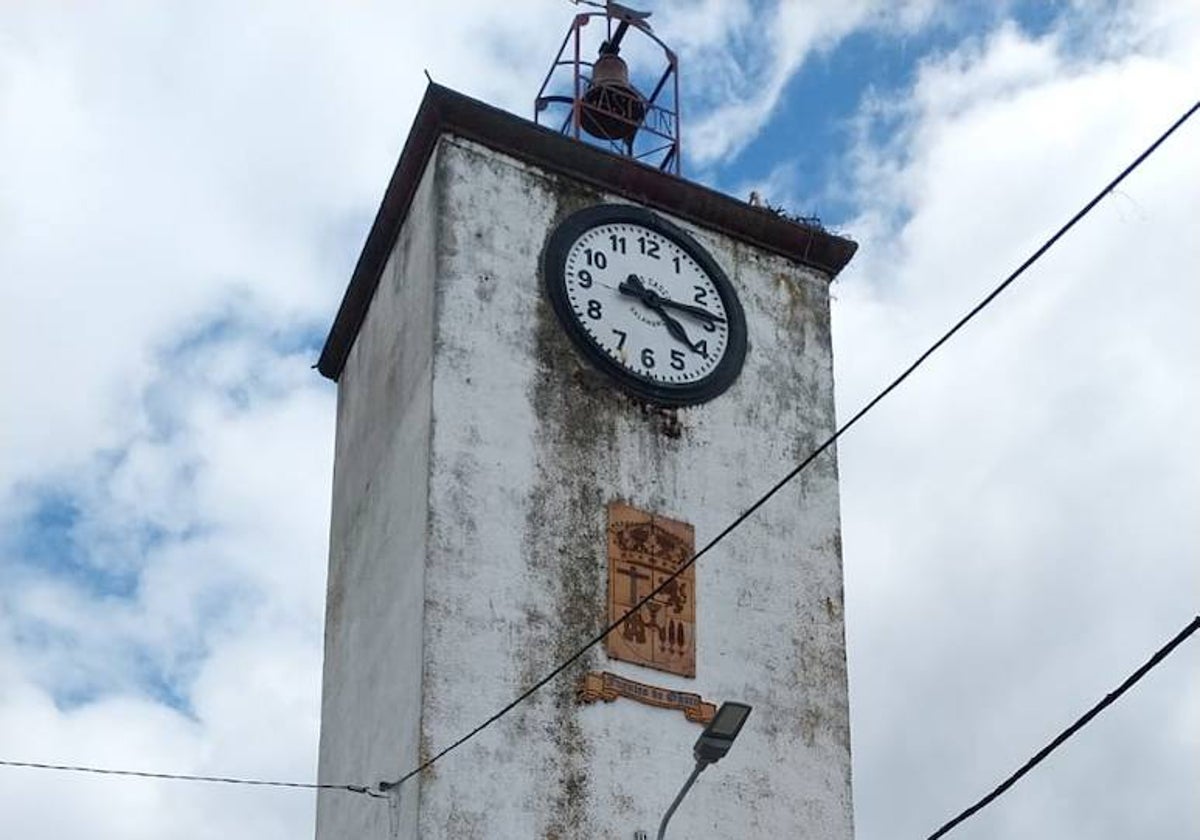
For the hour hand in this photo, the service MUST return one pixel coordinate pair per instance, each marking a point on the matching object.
(676, 329)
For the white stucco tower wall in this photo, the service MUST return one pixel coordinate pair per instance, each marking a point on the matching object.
(476, 453)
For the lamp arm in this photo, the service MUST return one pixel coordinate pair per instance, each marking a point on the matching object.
(662, 828)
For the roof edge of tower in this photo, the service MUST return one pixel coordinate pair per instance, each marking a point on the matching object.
(444, 111)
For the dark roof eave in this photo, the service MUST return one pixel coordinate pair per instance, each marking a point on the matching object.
(444, 111)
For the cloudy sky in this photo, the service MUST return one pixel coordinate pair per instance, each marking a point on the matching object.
(184, 188)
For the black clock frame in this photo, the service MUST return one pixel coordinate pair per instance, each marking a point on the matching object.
(554, 260)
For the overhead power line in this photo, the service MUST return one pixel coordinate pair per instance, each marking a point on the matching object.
(1108, 700)
(816, 453)
(186, 777)
(1083, 721)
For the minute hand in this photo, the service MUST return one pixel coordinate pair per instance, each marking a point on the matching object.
(703, 314)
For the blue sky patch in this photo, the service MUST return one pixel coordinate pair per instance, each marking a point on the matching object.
(810, 129)
(47, 541)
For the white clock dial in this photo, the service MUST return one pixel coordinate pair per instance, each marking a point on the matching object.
(646, 303)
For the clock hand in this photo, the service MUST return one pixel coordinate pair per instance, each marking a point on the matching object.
(675, 328)
(702, 314)
(632, 286)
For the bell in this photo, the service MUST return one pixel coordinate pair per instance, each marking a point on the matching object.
(612, 107)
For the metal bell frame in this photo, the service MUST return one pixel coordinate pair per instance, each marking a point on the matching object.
(659, 129)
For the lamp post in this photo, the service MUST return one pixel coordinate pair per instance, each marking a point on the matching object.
(710, 748)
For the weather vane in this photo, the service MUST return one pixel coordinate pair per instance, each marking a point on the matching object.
(616, 10)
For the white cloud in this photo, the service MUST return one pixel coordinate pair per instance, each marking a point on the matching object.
(771, 43)
(159, 160)
(225, 617)
(1018, 517)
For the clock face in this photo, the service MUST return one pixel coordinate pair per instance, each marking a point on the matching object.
(645, 303)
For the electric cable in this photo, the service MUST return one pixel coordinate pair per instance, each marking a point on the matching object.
(1083, 721)
(816, 453)
(185, 777)
(1087, 717)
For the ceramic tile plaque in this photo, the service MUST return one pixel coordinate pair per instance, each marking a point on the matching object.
(608, 687)
(643, 550)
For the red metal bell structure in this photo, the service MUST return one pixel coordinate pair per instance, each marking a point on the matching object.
(597, 102)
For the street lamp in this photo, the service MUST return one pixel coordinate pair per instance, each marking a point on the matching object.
(710, 748)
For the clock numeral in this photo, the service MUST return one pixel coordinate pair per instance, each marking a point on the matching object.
(702, 348)
(618, 244)
(710, 326)
(593, 310)
(621, 341)
(676, 360)
(701, 294)
(595, 258)
(647, 358)
(650, 249)
(585, 278)
(676, 261)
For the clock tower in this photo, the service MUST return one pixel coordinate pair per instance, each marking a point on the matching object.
(560, 371)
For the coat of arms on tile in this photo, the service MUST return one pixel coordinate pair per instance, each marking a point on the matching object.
(643, 551)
